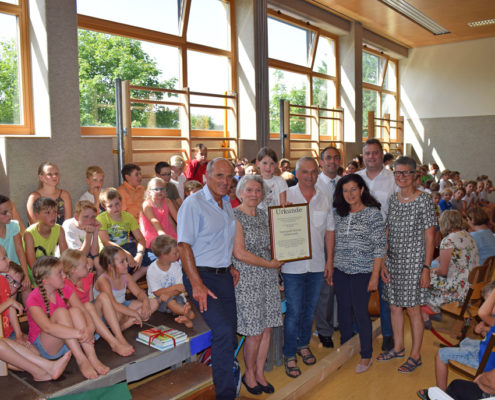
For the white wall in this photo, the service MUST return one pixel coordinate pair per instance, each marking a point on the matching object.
(448, 100)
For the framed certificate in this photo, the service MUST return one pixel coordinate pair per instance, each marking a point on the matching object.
(290, 235)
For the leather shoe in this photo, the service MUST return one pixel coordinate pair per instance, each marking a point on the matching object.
(326, 341)
(268, 388)
(360, 368)
(388, 343)
(253, 390)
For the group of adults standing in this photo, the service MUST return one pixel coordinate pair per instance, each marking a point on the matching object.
(220, 248)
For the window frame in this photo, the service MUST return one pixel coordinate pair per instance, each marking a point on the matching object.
(180, 41)
(21, 11)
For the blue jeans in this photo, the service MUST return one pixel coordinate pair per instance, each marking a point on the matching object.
(385, 321)
(302, 292)
(221, 317)
(148, 256)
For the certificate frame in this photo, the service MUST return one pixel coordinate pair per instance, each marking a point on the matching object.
(290, 234)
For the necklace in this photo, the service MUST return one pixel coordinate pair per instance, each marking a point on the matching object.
(405, 198)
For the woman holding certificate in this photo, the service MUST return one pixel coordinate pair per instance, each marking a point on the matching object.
(358, 254)
(257, 293)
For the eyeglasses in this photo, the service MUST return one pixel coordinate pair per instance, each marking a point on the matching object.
(166, 174)
(158, 189)
(404, 173)
(12, 281)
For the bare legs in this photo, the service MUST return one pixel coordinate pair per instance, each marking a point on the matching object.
(417, 329)
(441, 372)
(19, 357)
(186, 315)
(255, 353)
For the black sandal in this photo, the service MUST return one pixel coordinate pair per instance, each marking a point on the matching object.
(423, 394)
(290, 370)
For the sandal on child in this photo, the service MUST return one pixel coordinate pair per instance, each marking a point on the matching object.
(308, 358)
(410, 365)
(388, 355)
(289, 371)
(423, 394)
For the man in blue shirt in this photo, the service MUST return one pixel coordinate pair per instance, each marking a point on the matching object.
(206, 230)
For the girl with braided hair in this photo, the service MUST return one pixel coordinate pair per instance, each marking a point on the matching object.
(54, 327)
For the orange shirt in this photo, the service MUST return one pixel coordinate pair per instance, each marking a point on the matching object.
(132, 199)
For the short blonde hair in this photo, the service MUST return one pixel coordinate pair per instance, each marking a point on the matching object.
(163, 244)
(109, 194)
(70, 259)
(82, 205)
(177, 161)
(93, 170)
(450, 220)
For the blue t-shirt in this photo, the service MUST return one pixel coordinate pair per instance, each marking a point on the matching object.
(444, 205)
(491, 361)
(485, 241)
(11, 229)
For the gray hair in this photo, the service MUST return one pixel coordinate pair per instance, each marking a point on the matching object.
(303, 159)
(407, 161)
(209, 166)
(244, 180)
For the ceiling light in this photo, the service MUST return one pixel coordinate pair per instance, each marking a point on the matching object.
(407, 10)
(477, 24)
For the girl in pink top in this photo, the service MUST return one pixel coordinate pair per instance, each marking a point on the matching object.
(156, 211)
(80, 281)
(54, 328)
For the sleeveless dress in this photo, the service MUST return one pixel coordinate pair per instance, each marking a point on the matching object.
(119, 294)
(257, 293)
(60, 207)
(161, 215)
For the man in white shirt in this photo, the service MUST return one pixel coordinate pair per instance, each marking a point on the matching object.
(381, 183)
(303, 279)
(330, 160)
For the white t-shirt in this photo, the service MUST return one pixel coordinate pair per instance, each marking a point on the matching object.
(73, 235)
(87, 196)
(158, 279)
(180, 184)
(326, 186)
(273, 188)
(381, 187)
(470, 198)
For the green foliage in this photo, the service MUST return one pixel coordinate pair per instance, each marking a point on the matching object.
(10, 106)
(104, 58)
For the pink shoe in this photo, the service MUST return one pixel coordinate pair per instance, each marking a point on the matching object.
(360, 368)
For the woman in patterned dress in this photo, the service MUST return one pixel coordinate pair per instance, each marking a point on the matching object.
(257, 292)
(410, 225)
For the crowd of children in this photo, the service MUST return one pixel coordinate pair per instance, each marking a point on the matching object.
(73, 270)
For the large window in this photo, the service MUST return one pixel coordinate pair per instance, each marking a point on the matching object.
(15, 79)
(180, 44)
(303, 70)
(379, 86)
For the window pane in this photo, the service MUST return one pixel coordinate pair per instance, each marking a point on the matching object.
(11, 1)
(288, 42)
(163, 18)
(10, 80)
(389, 106)
(325, 57)
(209, 23)
(324, 93)
(103, 58)
(373, 67)
(390, 81)
(285, 85)
(370, 103)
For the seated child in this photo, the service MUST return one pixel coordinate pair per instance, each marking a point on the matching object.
(10, 282)
(164, 278)
(444, 180)
(445, 203)
(11, 240)
(131, 191)
(284, 165)
(191, 187)
(469, 351)
(178, 177)
(81, 232)
(157, 210)
(43, 237)
(164, 171)
(49, 177)
(114, 283)
(250, 169)
(457, 199)
(80, 281)
(234, 201)
(196, 169)
(116, 228)
(470, 199)
(94, 179)
(55, 326)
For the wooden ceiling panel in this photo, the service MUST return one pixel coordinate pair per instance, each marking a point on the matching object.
(453, 15)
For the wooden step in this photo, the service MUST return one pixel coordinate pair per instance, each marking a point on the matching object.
(193, 381)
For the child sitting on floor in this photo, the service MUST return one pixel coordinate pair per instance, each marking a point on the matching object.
(164, 278)
(81, 232)
(116, 228)
(94, 178)
(43, 237)
(80, 281)
(115, 281)
(54, 327)
(457, 199)
(470, 351)
(131, 191)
